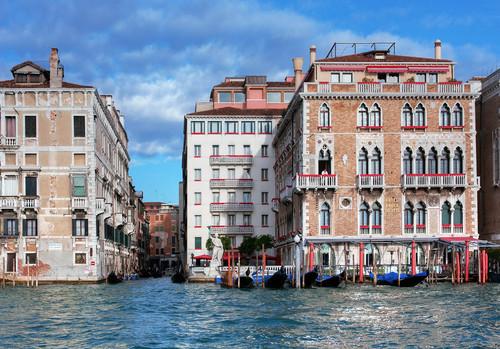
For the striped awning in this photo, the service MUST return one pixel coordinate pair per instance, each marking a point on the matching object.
(430, 68)
(387, 69)
(342, 67)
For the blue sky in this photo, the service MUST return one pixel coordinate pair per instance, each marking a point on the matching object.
(158, 58)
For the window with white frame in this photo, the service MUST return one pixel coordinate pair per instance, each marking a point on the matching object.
(197, 198)
(197, 150)
(376, 219)
(458, 166)
(265, 197)
(247, 150)
(231, 150)
(341, 77)
(231, 127)
(197, 220)
(420, 120)
(215, 173)
(265, 127)
(231, 196)
(247, 220)
(420, 161)
(197, 127)
(324, 116)
(432, 162)
(239, 97)
(264, 174)
(407, 161)
(444, 116)
(421, 218)
(247, 197)
(231, 219)
(197, 174)
(215, 150)
(274, 97)
(445, 161)
(375, 116)
(231, 173)
(10, 186)
(246, 173)
(215, 127)
(458, 116)
(216, 220)
(247, 127)
(364, 219)
(363, 116)
(376, 162)
(324, 219)
(288, 96)
(264, 149)
(215, 197)
(407, 116)
(265, 220)
(224, 97)
(363, 162)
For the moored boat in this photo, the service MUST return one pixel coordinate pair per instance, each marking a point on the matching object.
(244, 281)
(277, 280)
(179, 276)
(113, 278)
(330, 281)
(404, 280)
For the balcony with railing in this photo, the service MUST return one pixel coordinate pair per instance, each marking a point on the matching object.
(79, 203)
(9, 203)
(8, 141)
(231, 159)
(231, 207)
(286, 194)
(411, 229)
(315, 182)
(368, 87)
(452, 180)
(450, 87)
(370, 181)
(100, 205)
(413, 87)
(325, 230)
(231, 183)
(232, 229)
(275, 204)
(30, 203)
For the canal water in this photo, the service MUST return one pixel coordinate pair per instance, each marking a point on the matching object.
(154, 313)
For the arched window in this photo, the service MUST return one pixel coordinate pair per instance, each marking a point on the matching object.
(420, 218)
(458, 218)
(458, 161)
(408, 218)
(376, 219)
(325, 219)
(324, 116)
(363, 116)
(445, 161)
(407, 116)
(376, 162)
(364, 219)
(420, 115)
(458, 116)
(324, 161)
(375, 116)
(432, 162)
(420, 161)
(407, 161)
(444, 115)
(363, 161)
(446, 218)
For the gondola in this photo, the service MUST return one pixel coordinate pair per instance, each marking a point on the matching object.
(245, 281)
(179, 276)
(391, 279)
(113, 278)
(277, 280)
(330, 281)
(308, 279)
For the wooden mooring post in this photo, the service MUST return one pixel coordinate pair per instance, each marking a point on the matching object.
(3, 273)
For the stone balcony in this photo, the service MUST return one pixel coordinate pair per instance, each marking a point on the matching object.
(79, 203)
(232, 229)
(315, 182)
(9, 203)
(428, 181)
(231, 183)
(231, 207)
(231, 160)
(370, 181)
(30, 203)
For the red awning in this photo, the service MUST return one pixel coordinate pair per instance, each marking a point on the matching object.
(342, 67)
(203, 256)
(429, 68)
(387, 69)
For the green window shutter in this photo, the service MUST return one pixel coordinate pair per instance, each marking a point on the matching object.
(86, 222)
(73, 226)
(79, 186)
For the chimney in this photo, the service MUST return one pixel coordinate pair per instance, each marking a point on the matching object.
(437, 49)
(312, 54)
(297, 68)
(56, 72)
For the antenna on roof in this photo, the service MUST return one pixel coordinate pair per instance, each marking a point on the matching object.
(339, 48)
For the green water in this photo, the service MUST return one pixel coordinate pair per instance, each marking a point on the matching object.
(154, 313)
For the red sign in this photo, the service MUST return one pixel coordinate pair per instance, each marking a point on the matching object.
(92, 262)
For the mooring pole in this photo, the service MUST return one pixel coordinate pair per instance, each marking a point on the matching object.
(361, 260)
(467, 261)
(413, 258)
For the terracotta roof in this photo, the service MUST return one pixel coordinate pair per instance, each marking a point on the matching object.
(370, 57)
(242, 84)
(281, 84)
(231, 84)
(34, 65)
(12, 83)
(237, 111)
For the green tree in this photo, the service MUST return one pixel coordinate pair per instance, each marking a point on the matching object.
(226, 243)
(248, 245)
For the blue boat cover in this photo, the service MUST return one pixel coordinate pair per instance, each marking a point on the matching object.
(393, 277)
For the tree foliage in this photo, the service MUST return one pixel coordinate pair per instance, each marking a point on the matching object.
(252, 243)
(226, 243)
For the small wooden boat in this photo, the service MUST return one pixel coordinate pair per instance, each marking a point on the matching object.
(245, 281)
(331, 281)
(179, 276)
(277, 280)
(310, 278)
(113, 278)
(404, 280)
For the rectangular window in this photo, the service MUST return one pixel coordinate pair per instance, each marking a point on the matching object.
(231, 127)
(393, 78)
(197, 174)
(274, 97)
(264, 174)
(246, 173)
(10, 227)
(197, 198)
(80, 227)
(215, 150)
(173, 240)
(215, 197)
(215, 173)
(80, 258)
(264, 149)
(30, 259)
(10, 186)
(173, 251)
(231, 174)
(346, 77)
(335, 78)
(30, 186)
(30, 126)
(10, 126)
(265, 197)
(231, 196)
(157, 251)
(247, 127)
(265, 220)
(162, 251)
(231, 150)
(157, 239)
(34, 77)
(22, 78)
(197, 243)
(265, 127)
(30, 227)
(247, 197)
(288, 96)
(432, 78)
(239, 97)
(78, 125)
(420, 77)
(215, 127)
(231, 219)
(216, 220)
(197, 127)
(247, 150)
(224, 97)
(79, 186)
(247, 219)
(157, 228)
(197, 150)
(197, 220)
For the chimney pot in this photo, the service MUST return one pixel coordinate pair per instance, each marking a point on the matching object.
(437, 49)
(297, 68)
(312, 54)
(56, 72)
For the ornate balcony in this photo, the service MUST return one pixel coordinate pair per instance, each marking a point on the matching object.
(286, 194)
(8, 141)
(9, 203)
(100, 205)
(315, 182)
(370, 181)
(231, 159)
(452, 180)
(231, 207)
(232, 229)
(231, 183)
(30, 203)
(79, 203)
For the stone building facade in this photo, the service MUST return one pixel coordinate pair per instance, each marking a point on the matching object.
(67, 211)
